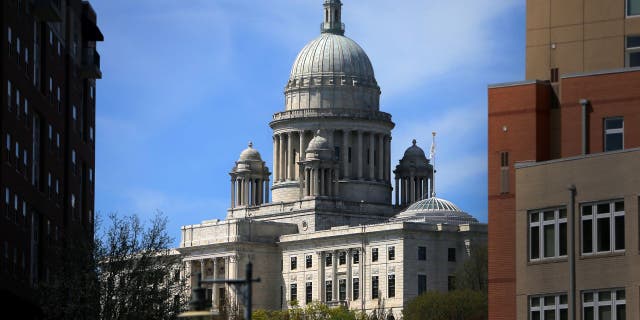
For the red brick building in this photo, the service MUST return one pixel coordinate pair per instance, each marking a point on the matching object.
(49, 65)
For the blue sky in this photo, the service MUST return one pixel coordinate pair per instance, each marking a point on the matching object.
(187, 83)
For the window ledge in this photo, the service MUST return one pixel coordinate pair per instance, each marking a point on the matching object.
(602, 255)
(547, 261)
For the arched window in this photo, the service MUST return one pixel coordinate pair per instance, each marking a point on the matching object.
(326, 15)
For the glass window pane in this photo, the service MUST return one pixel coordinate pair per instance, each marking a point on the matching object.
(604, 313)
(563, 299)
(604, 234)
(620, 294)
(534, 217)
(588, 313)
(549, 314)
(563, 213)
(549, 241)
(604, 296)
(633, 41)
(633, 7)
(614, 123)
(619, 232)
(535, 315)
(587, 297)
(587, 210)
(549, 215)
(634, 59)
(621, 312)
(613, 141)
(535, 242)
(603, 208)
(535, 302)
(564, 314)
(619, 206)
(587, 239)
(562, 236)
(549, 300)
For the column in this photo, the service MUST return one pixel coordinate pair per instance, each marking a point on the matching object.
(290, 156)
(334, 280)
(233, 193)
(276, 159)
(245, 185)
(329, 181)
(316, 183)
(381, 161)
(321, 267)
(336, 183)
(307, 182)
(239, 188)
(259, 190)
(345, 153)
(322, 182)
(359, 152)
(302, 148)
(330, 138)
(387, 153)
(403, 193)
(371, 155)
(397, 192)
(266, 191)
(349, 258)
(214, 289)
(412, 189)
(281, 159)
(361, 276)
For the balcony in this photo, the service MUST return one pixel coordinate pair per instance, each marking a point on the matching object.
(90, 64)
(47, 10)
(332, 113)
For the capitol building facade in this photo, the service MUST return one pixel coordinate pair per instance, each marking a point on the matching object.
(322, 227)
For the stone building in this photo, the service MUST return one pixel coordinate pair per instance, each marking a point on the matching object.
(330, 231)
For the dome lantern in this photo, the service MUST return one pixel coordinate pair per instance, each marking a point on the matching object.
(332, 17)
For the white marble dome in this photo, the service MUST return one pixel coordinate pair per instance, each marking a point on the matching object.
(332, 54)
(250, 154)
(435, 210)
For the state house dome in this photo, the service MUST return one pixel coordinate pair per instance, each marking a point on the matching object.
(435, 210)
(332, 71)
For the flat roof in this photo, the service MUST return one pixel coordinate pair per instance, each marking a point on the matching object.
(531, 163)
(599, 72)
(516, 83)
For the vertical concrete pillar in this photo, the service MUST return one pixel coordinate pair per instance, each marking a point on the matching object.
(290, 156)
(359, 161)
(346, 134)
(320, 287)
(315, 175)
(348, 280)
(233, 193)
(276, 158)
(334, 282)
(412, 189)
(370, 156)
(281, 159)
(380, 151)
(397, 192)
(387, 153)
(266, 191)
(214, 289)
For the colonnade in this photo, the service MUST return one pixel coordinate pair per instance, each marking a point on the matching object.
(249, 191)
(410, 189)
(320, 182)
(349, 275)
(212, 268)
(363, 155)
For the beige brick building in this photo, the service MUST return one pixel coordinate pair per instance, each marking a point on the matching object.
(322, 226)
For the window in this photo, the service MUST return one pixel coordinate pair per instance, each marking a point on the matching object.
(73, 201)
(91, 133)
(451, 255)
(342, 258)
(374, 254)
(51, 89)
(504, 172)
(391, 285)
(74, 113)
(9, 37)
(8, 142)
(59, 98)
(422, 253)
(374, 287)
(58, 140)
(356, 288)
(9, 98)
(328, 290)
(451, 283)
(24, 208)
(547, 234)
(294, 292)
(328, 260)
(422, 284)
(308, 258)
(342, 289)
(633, 7)
(606, 304)
(550, 307)
(349, 155)
(308, 292)
(554, 75)
(294, 263)
(602, 227)
(633, 51)
(392, 253)
(613, 134)
(356, 257)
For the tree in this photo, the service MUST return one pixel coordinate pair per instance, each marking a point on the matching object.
(138, 274)
(473, 273)
(453, 305)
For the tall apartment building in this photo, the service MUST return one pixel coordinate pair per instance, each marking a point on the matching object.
(563, 160)
(49, 69)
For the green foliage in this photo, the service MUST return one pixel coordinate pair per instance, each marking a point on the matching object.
(453, 305)
(314, 311)
(472, 274)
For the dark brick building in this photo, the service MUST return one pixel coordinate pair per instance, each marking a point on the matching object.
(49, 68)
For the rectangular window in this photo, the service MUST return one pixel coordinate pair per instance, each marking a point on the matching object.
(554, 75)
(547, 234)
(294, 292)
(328, 289)
(349, 155)
(342, 257)
(374, 287)
(9, 98)
(356, 288)
(632, 57)
(451, 255)
(422, 253)
(328, 260)
(356, 257)
(633, 7)
(422, 284)
(613, 134)
(294, 263)
(605, 304)
(504, 172)
(550, 307)
(342, 289)
(374, 254)
(308, 293)
(603, 227)
(308, 258)
(451, 283)
(392, 253)
(391, 285)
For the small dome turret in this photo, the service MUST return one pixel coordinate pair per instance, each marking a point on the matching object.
(250, 154)
(414, 152)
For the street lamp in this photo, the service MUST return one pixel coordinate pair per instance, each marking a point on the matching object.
(197, 304)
